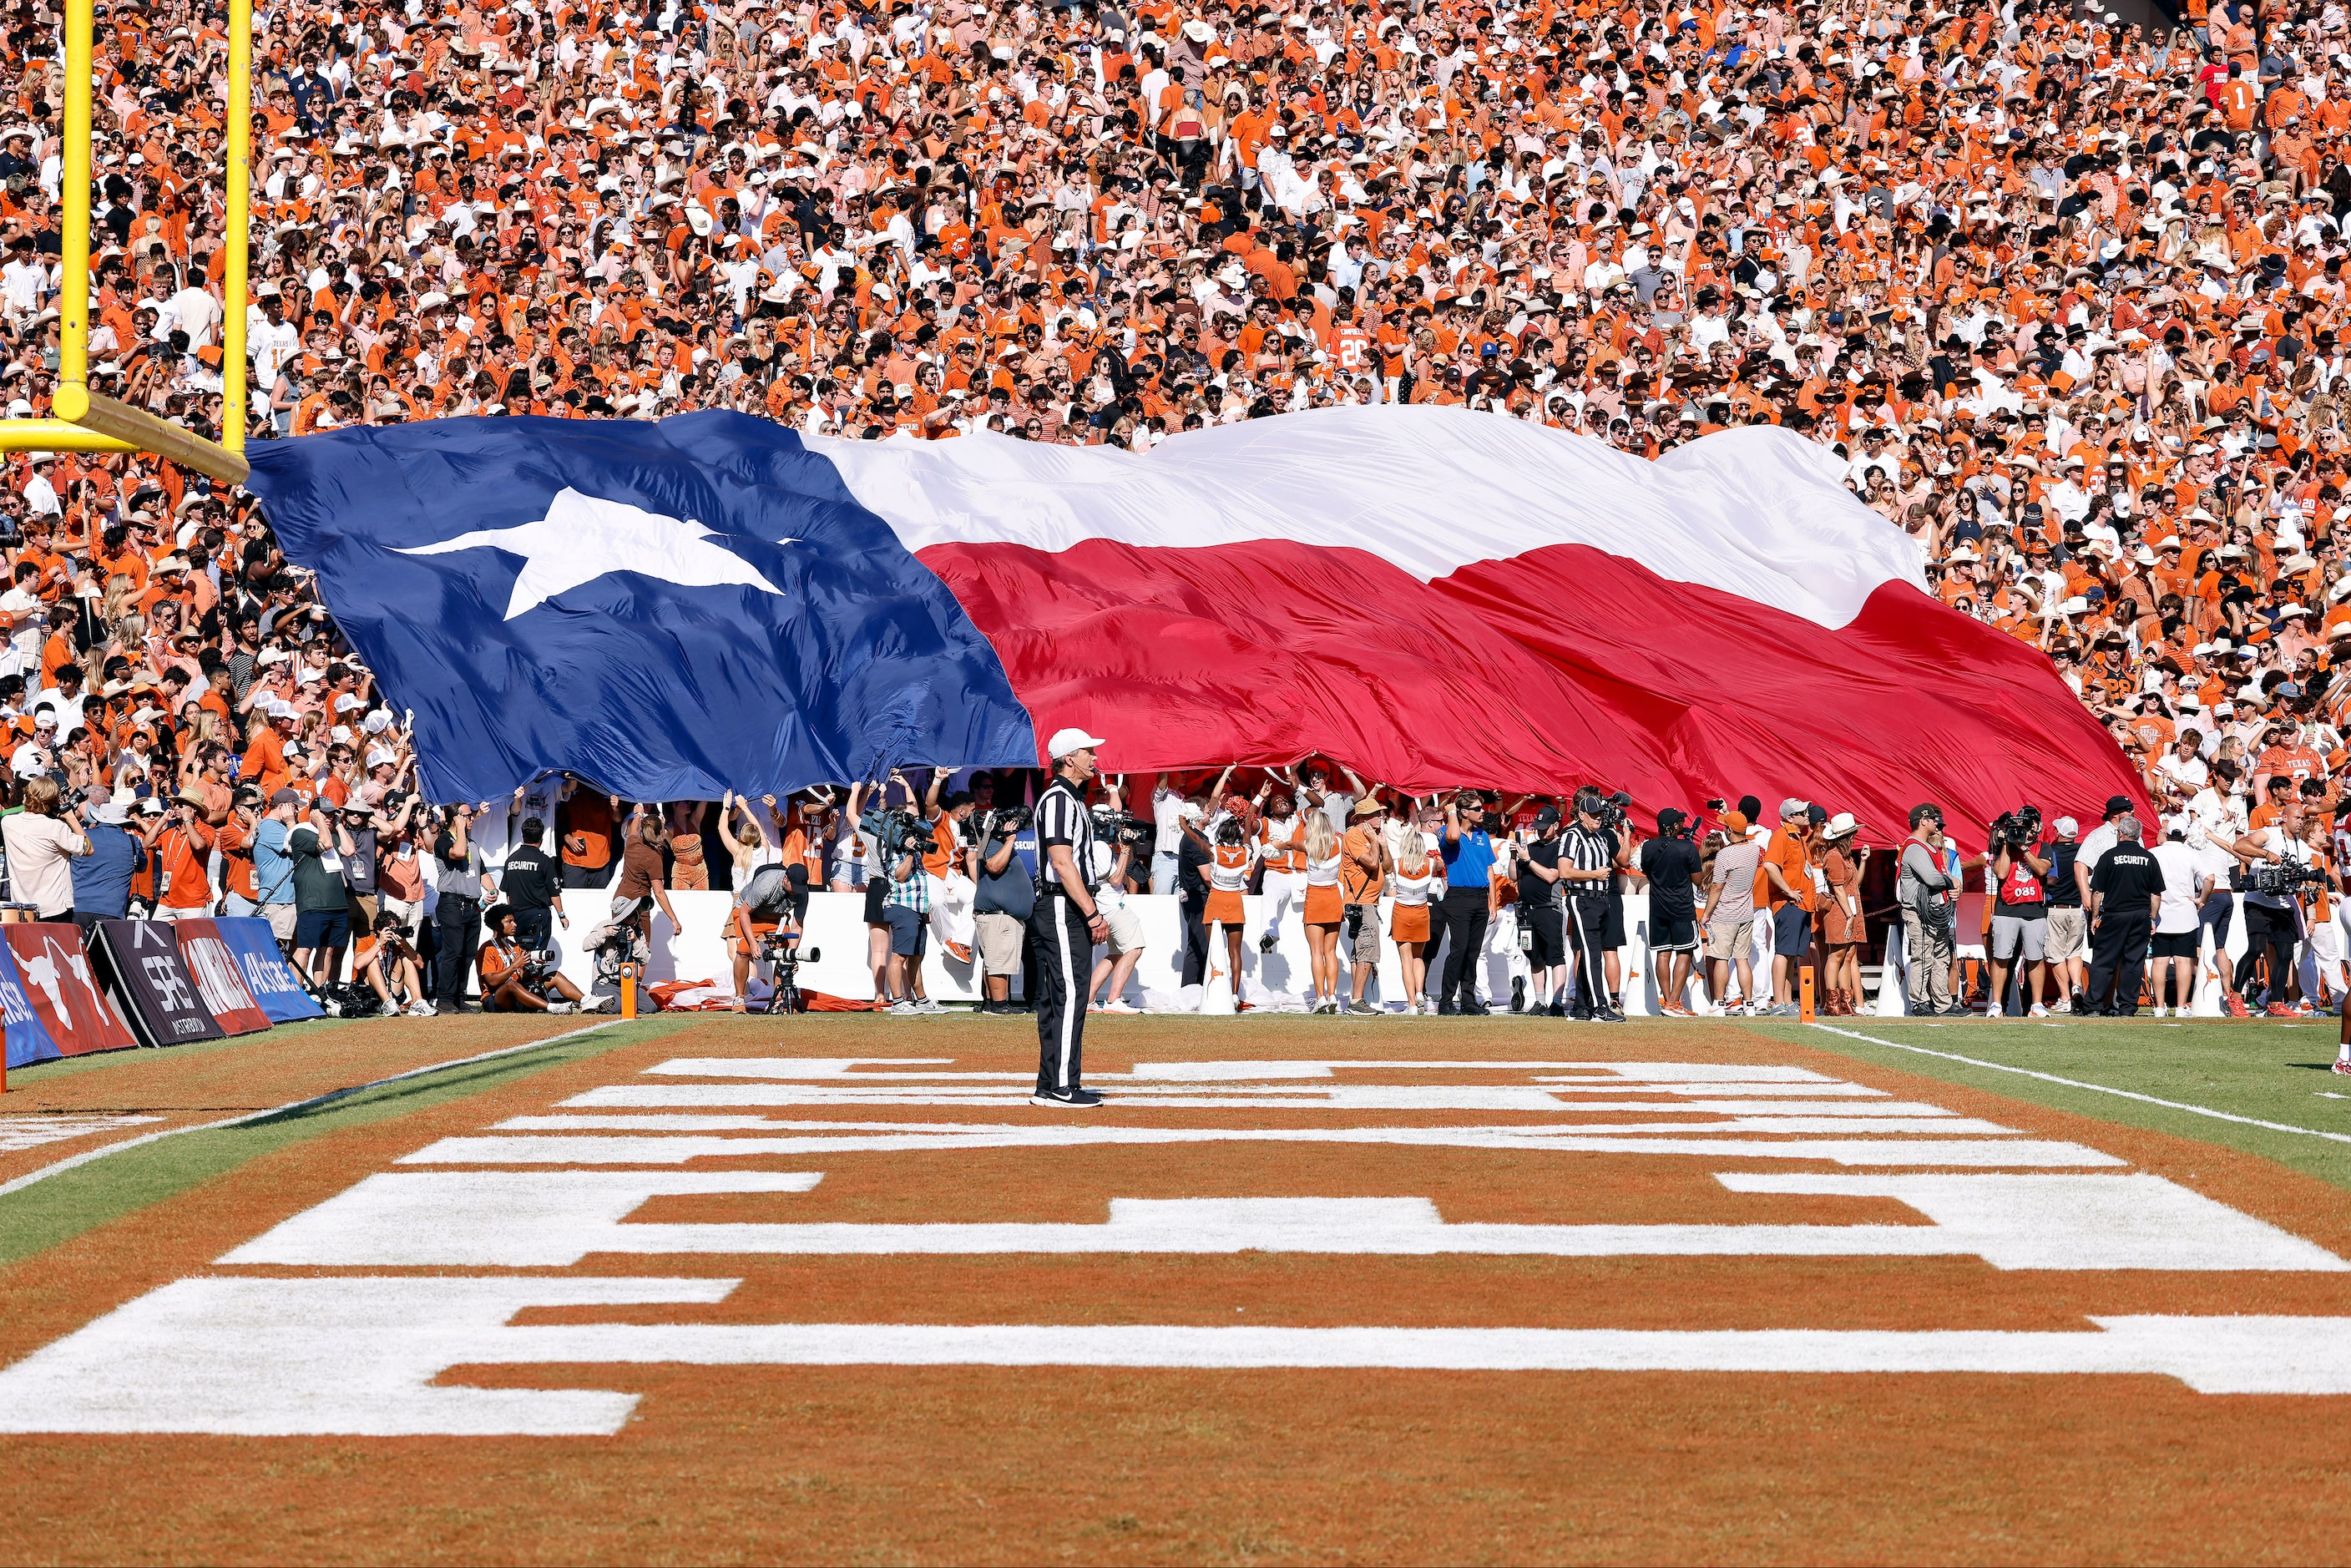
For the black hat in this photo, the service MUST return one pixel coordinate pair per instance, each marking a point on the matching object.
(2117, 805)
(1548, 817)
(1669, 819)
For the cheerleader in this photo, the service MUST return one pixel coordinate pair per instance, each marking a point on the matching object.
(1418, 878)
(1228, 877)
(1281, 846)
(1324, 912)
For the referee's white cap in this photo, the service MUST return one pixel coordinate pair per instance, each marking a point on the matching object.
(1065, 741)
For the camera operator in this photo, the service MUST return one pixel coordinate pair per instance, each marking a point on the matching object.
(1067, 922)
(2019, 912)
(773, 900)
(519, 979)
(2272, 920)
(391, 967)
(906, 911)
(1468, 848)
(1122, 948)
(1587, 874)
(2125, 893)
(1004, 866)
(461, 881)
(1924, 891)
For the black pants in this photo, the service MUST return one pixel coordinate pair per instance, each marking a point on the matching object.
(1196, 942)
(1587, 919)
(534, 929)
(588, 876)
(2119, 962)
(459, 920)
(1462, 918)
(2276, 933)
(1065, 958)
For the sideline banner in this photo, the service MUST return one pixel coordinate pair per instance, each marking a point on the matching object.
(266, 974)
(150, 983)
(62, 992)
(28, 1040)
(220, 983)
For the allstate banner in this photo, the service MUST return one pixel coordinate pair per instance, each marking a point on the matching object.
(59, 987)
(150, 983)
(28, 1040)
(220, 983)
(266, 974)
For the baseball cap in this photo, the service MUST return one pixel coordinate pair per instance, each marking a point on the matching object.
(1734, 821)
(1065, 741)
(2117, 805)
(285, 797)
(1671, 818)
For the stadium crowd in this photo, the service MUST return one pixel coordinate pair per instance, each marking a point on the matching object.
(2066, 295)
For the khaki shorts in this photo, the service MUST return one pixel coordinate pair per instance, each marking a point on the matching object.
(1125, 930)
(1366, 949)
(281, 920)
(1001, 939)
(1726, 939)
(2069, 934)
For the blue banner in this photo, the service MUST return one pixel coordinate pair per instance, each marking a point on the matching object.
(28, 1042)
(670, 610)
(266, 974)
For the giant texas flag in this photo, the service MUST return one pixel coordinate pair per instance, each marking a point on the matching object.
(1432, 596)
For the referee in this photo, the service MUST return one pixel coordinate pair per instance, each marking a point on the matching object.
(1066, 922)
(1587, 857)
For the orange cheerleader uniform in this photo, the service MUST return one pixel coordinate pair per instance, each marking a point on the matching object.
(1322, 903)
(1227, 879)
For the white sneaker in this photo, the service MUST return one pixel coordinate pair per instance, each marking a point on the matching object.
(904, 1009)
(2038, 1012)
(1120, 1006)
(561, 1008)
(420, 1009)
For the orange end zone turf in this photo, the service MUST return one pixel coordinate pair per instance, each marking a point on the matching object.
(781, 1367)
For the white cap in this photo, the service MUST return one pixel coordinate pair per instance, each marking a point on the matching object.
(1065, 741)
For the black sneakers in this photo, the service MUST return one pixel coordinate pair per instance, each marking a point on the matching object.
(1558, 1008)
(1472, 1007)
(1080, 1098)
(1518, 993)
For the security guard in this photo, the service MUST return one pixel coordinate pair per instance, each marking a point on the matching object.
(2124, 892)
(1067, 922)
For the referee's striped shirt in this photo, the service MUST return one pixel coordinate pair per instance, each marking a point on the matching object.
(1581, 849)
(1062, 818)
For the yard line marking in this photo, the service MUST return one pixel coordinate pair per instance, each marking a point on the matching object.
(20, 1132)
(367, 1356)
(61, 1166)
(2098, 1088)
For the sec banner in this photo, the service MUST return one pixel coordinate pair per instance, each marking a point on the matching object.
(150, 983)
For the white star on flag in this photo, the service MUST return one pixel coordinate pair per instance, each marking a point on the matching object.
(583, 537)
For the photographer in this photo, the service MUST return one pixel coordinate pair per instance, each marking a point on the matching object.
(2019, 914)
(2125, 893)
(1587, 874)
(460, 882)
(772, 901)
(1067, 922)
(391, 967)
(1924, 891)
(1005, 867)
(907, 910)
(2272, 919)
(1123, 947)
(520, 980)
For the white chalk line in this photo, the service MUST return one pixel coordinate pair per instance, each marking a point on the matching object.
(2095, 1088)
(61, 1166)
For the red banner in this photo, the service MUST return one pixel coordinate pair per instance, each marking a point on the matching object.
(219, 982)
(59, 987)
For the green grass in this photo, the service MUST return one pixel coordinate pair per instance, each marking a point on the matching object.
(101, 1061)
(66, 1205)
(2271, 1071)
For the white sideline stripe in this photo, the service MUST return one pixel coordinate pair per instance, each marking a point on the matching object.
(365, 1355)
(2096, 1088)
(63, 1166)
(18, 1133)
(1348, 1097)
(1604, 1074)
(678, 1148)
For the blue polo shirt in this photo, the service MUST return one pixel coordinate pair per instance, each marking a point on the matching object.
(1468, 859)
(101, 879)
